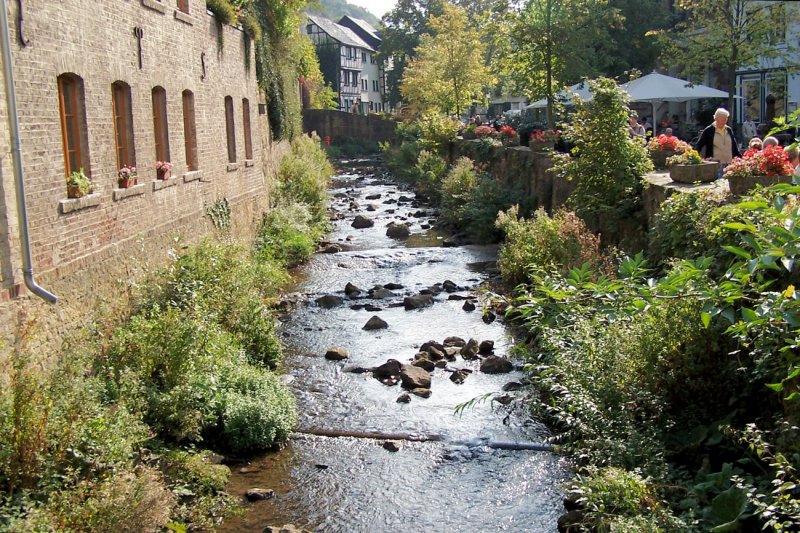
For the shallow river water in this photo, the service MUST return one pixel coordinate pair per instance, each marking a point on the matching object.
(345, 484)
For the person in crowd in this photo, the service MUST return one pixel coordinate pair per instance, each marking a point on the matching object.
(636, 130)
(666, 123)
(648, 128)
(755, 144)
(356, 107)
(771, 141)
(717, 142)
(668, 132)
(748, 129)
(794, 158)
(477, 120)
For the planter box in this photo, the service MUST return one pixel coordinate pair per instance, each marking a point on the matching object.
(659, 158)
(741, 186)
(702, 172)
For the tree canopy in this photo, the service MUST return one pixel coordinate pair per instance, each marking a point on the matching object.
(448, 73)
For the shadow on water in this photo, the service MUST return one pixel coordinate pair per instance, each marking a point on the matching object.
(346, 484)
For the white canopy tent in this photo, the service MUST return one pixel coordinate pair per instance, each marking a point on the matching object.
(581, 90)
(656, 88)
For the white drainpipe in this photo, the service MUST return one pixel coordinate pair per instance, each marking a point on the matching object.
(16, 156)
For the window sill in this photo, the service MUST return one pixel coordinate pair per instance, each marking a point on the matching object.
(68, 205)
(155, 6)
(249, 162)
(193, 175)
(183, 17)
(163, 184)
(232, 166)
(136, 190)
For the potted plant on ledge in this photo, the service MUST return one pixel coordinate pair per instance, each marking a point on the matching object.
(664, 146)
(78, 184)
(509, 136)
(163, 169)
(127, 177)
(689, 167)
(766, 167)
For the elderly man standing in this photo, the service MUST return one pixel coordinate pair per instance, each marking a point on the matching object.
(717, 141)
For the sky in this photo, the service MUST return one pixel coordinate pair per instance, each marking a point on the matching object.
(376, 7)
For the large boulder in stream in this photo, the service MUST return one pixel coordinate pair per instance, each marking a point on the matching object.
(375, 322)
(388, 373)
(352, 291)
(496, 365)
(415, 378)
(398, 231)
(362, 222)
(329, 301)
(417, 302)
(336, 354)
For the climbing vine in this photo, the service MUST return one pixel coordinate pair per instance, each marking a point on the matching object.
(220, 213)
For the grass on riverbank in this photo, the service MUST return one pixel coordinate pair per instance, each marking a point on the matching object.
(113, 436)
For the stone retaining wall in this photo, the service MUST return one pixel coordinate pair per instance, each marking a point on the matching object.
(334, 124)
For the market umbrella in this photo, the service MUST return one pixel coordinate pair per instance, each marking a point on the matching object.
(581, 90)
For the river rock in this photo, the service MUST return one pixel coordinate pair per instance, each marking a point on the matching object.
(390, 370)
(441, 364)
(486, 348)
(391, 446)
(421, 392)
(375, 322)
(256, 494)
(451, 352)
(468, 306)
(340, 195)
(287, 528)
(569, 521)
(414, 377)
(450, 342)
(405, 199)
(453, 297)
(512, 386)
(329, 301)
(356, 370)
(449, 286)
(424, 363)
(505, 399)
(470, 350)
(496, 365)
(351, 290)
(372, 308)
(331, 249)
(404, 398)
(458, 377)
(336, 354)
(362, 222)
(393, 286)
(375, 196)
(380, 293)
(488, 316)
(398, 231)
(372, 207)
(417, 302)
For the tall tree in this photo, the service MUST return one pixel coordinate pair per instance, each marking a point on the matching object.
(729, 33)
(554, 42)
(403, 27)
(448, 72)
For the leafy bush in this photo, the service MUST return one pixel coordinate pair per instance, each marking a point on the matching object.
(457, 185)
(304, 176)
(427, 175)
(287, 234)
(257, 411)
(607, 164)
(223, 11)
(559, 243)
(485, 200)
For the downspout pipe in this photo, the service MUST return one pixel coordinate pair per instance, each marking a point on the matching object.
(16, 156)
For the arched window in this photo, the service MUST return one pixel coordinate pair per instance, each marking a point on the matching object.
(248, 141)
(230, 129)
(160, 125)
(123, 124)
(189, 130)
(72, 108)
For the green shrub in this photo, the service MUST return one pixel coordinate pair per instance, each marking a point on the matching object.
(257, 410)
(436, 132)
(346, 146)
(401, 160)
(427, 175)
(559, 243)
(485, 200)
(456, 188)
(287, 234)
(607, 164)
(223, 11)
(304, 176)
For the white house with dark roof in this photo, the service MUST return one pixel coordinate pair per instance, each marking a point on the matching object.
(349, 63)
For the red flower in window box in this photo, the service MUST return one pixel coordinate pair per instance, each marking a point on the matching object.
(163, 169)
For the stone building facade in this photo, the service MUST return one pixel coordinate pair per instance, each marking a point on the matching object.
(106, 83)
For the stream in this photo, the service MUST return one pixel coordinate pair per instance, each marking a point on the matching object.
(459, 482)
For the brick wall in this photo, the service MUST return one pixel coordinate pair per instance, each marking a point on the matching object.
(328, 122)
(87, 254)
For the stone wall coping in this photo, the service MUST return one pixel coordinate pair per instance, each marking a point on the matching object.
(232, 166)
(68, 205)
(136, 190)
(192, 175)
(249, 162)
(155, 6)
(163, 184)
